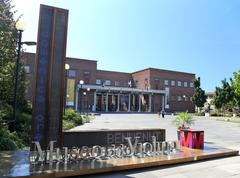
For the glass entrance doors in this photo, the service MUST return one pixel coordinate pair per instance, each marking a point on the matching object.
(111, 102)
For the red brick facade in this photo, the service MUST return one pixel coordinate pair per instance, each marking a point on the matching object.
(140, 91)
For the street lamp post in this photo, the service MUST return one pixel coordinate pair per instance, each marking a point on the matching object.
(20, 28)
(67, 67)
(81, 82)
(184, 97)
(84, 108)
(88, 89)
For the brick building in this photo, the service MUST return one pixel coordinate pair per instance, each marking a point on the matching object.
(147, 90)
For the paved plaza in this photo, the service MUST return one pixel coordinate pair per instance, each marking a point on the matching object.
(217, 133)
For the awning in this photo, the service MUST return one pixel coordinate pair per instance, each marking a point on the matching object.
(120, 89)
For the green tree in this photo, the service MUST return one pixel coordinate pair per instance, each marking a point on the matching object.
(199, 97)
(223, 96)
(218, 98)
(8, 55)
(8, 44)
(235, 83)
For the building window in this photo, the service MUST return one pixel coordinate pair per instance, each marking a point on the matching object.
(116, 83)
(156, 82)
(72, 73)
(86, 74)
(98, 82)
(165, 82)
(107, 82)
(179, 83)
(27, 69)
(173, 98)
(173, 83)
(191, 84)
(185, 84)
(179, 98)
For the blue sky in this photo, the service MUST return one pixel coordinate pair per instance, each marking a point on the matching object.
(201, 37)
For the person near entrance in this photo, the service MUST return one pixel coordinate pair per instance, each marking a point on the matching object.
(163, 113)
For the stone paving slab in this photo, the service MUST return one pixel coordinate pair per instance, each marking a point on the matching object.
(216, 132)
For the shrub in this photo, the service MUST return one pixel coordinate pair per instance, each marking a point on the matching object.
(68, 125)
(228, 114)
(21, 137)
(73, 116)
(87, 118)
(71, 119)
(9, 141)
(5, 114)
(23, 127)
(215, 113)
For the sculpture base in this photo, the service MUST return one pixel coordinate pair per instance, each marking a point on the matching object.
(16, 164)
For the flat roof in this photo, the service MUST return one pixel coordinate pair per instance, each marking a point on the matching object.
(120, 89)
(151, 68)
(113, 71)
(90, 60)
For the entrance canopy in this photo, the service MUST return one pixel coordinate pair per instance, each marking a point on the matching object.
(115, 99)
(121, 89)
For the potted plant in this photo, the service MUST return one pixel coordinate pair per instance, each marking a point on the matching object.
(183, 121)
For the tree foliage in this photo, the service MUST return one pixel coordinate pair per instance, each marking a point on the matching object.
(8, 55)
(8, 44)
(199, 97)
(223, 96)
(235, 83)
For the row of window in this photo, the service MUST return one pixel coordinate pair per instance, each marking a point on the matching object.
(103, 82)
(166, 83)
(73, 73)
(180, 98)
(179, 83)
(108, 83)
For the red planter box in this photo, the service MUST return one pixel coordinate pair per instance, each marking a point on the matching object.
(192, 138)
